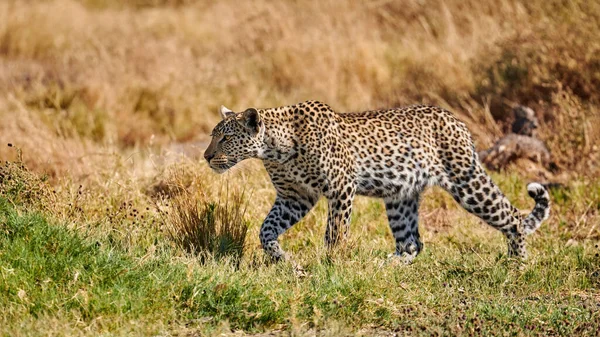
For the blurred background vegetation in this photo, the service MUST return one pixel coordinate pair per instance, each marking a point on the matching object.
(80, 76)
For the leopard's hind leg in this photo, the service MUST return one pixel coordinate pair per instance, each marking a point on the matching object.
(477, 193)
(403, 217)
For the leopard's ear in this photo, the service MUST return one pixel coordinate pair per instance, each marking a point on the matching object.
(225, 112)
(251, 120)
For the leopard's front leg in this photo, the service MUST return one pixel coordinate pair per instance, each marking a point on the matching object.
(340, 209)
(286, 212)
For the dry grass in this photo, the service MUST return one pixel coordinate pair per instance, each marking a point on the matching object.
(22, 186)
(96, 75)
(205, 228)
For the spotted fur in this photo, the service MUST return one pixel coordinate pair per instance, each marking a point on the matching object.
(309, 151)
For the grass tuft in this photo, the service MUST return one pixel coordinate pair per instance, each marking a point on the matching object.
(209, 229)
(21, 187)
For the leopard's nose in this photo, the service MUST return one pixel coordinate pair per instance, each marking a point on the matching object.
(208, 156)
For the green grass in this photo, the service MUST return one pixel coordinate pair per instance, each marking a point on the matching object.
(54, 281)
(49, 271)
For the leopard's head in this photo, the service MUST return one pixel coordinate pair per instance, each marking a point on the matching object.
(237, 137)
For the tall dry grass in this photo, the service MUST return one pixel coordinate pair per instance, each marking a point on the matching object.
(209, 229)
(102, 74)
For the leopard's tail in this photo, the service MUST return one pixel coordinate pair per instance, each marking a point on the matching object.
(540, 211)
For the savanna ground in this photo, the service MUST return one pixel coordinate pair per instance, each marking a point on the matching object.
(107, 105)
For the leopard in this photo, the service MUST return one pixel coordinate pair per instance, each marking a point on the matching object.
(311, 151)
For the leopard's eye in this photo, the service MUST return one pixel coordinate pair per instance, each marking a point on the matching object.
(225, 138)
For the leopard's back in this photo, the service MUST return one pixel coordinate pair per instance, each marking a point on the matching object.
(400, 151)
